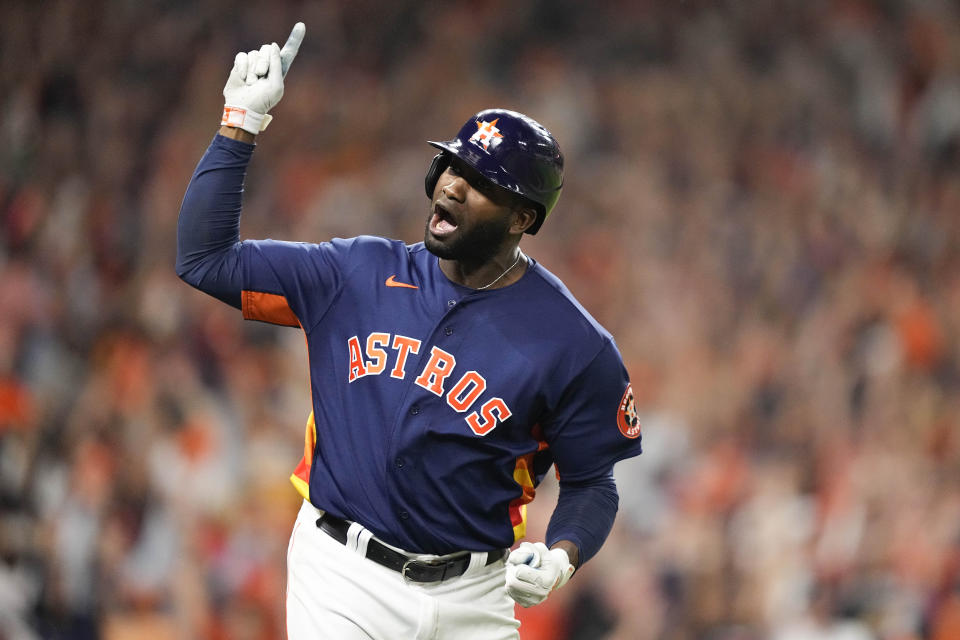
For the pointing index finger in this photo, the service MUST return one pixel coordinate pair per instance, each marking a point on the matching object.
(291, 46)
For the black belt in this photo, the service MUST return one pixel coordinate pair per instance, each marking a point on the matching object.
(409, 568)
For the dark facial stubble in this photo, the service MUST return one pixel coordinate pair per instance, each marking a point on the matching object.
(474, 246)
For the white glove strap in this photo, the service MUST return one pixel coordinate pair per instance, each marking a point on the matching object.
(245, 119)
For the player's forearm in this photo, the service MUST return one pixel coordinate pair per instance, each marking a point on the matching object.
(583, 518)
(208, 231)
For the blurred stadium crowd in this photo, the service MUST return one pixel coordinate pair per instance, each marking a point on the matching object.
(762, 205)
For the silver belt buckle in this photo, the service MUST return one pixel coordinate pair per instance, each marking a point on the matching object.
(431, 563)
(403, 571)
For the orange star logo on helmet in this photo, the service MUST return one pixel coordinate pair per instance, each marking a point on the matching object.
(487, 133)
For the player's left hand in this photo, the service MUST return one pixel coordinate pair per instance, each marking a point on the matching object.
(534, 571)
(255, 84)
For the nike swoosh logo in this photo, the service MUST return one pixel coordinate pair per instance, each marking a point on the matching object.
(391, 282)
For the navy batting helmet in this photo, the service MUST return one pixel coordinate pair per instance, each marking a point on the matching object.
(510, 150)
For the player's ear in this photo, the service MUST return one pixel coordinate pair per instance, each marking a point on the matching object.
(523, 218)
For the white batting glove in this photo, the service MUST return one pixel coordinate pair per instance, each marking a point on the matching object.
(255, 84)
(534, 571)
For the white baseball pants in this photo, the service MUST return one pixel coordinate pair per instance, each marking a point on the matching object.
(334, 593)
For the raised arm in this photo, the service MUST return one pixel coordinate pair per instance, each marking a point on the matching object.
(208, 230)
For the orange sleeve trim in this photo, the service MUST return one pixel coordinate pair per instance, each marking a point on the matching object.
(267, 307)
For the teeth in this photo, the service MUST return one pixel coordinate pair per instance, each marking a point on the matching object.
(444, 219)
(442, 222)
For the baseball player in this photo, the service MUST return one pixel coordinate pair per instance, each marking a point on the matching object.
(447, 377)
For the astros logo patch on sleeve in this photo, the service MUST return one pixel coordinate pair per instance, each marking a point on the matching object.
(627, 418)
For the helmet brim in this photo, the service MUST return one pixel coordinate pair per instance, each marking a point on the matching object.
(489, 169)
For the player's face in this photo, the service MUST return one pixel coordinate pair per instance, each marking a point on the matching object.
(470, 218)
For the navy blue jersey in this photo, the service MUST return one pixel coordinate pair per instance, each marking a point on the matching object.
(437, 409)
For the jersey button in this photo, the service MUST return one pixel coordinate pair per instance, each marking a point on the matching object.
(448, 331)
(414, 410)
(404, 515)
(451, 303)
(399, 462)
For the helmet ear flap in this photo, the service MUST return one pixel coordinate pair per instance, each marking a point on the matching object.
(440, 163)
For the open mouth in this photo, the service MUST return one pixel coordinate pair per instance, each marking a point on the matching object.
(442, 222)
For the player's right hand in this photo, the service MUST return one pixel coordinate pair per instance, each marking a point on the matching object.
(255, 84)
(534, 572)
